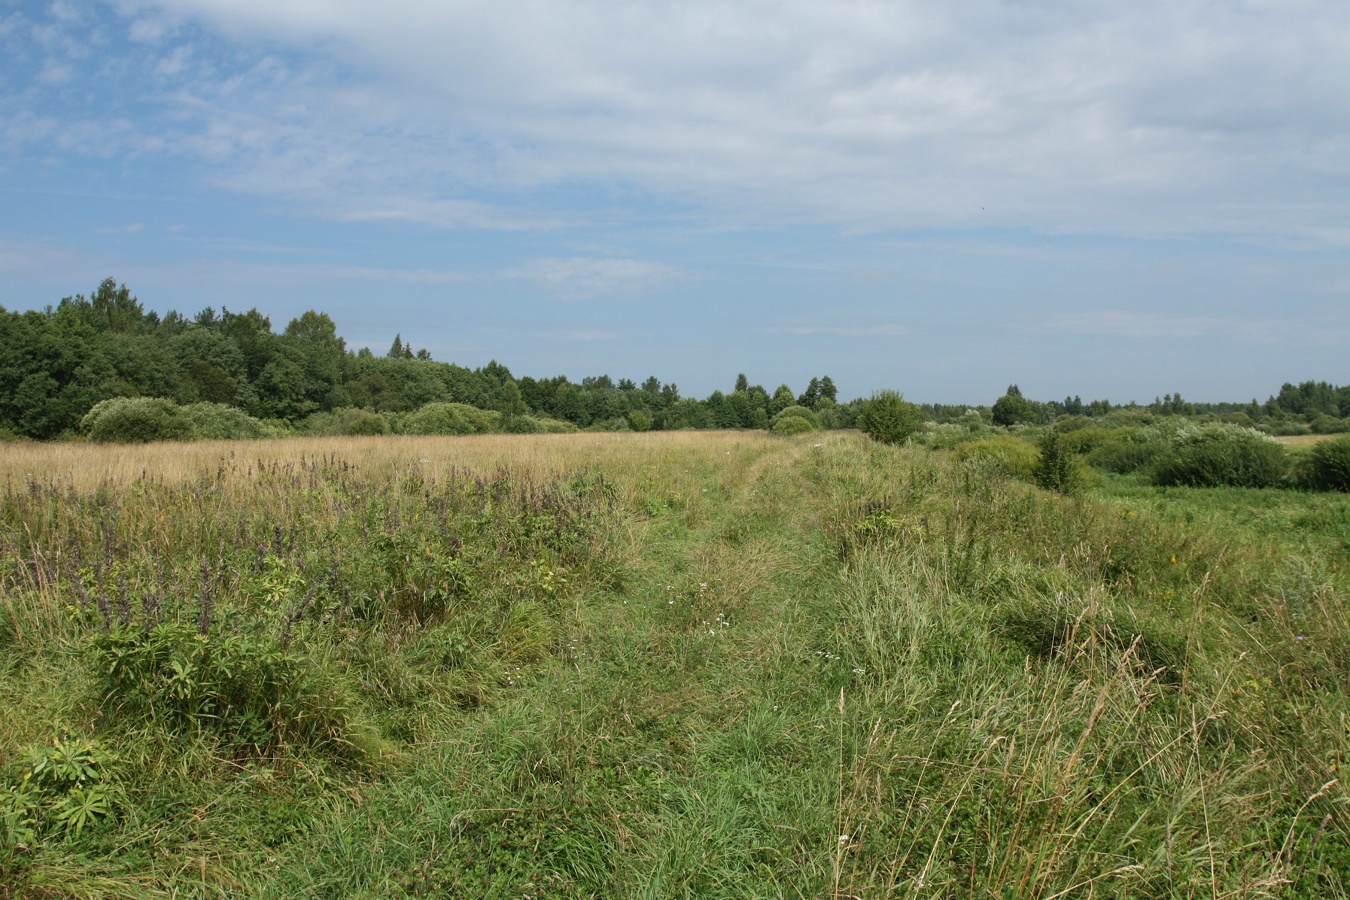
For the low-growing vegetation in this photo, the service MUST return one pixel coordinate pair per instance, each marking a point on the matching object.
(714, 665)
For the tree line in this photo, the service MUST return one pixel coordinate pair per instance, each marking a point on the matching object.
(1315, 407)
(58, 363)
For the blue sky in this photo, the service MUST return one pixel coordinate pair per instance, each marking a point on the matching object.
(1105, 199)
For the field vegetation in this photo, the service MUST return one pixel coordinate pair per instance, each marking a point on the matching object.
(673, 664)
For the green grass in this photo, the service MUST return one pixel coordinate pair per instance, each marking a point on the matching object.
(723, 666)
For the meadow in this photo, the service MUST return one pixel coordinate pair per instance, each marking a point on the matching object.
(669, 664)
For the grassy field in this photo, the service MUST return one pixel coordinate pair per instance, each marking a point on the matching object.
(660, 665)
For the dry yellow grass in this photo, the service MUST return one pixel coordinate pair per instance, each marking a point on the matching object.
(1303, 440)
(85, 466)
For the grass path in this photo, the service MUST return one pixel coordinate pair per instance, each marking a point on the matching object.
(680, 745)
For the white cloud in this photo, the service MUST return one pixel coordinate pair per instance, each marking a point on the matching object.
(134, 228)
(1157, 117)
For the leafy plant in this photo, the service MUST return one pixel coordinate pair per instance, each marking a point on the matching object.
(218, 422)
(62, 790)
(1057, 469)
(888, 418)
(242, 686)
(136, 420)
(789, 425)
(1212, 455)
(1329, 465)
(447, 418)
(1011, 455)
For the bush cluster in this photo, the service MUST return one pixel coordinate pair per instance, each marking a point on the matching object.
(794, 420)
(1329, 465)
(889, 419)
(245, 688)
(139, 420)
(1058, 468)
(1011, 455)
(1221, 455)
(136, 420)
(448, 418)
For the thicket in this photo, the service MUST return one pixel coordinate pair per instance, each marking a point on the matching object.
(888, 418)
(136, 420)
(1329, 465)
(1221, 455)
(794, 420)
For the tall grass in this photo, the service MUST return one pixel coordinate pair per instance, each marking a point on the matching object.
(688, 665)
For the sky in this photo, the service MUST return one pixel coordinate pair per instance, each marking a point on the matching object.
(1104, 199)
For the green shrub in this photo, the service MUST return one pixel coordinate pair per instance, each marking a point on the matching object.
(519, 424)
(888, 418)
(554, 426)
(447, 418)
(1286, 427)
(59, 790)
(789, 425)
(244, 687)
(1012, 455)
(1085, 440)
(345, 422)
(1329, 465)
(361, 422)
(1217, 454)
(136, 420)
(1058, 468)
(1127, 450)
(639, 421)
(795, 412)
(218, 422)
(1325, 424)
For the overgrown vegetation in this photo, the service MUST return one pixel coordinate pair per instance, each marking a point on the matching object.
(719, 665)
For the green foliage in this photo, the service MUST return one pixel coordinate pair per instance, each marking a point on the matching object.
(242, 686)
(720, 667)
(1058, 468)
(794, 420)
(789, 425)
(1217, 454)
(136, 420)
(639, 421)
(1010, 455)
(1126, 450)
(57, 791)
(347, 422)
(1329, 465)
(218, 422)
(888, 418)
(1087, 438)
(447, 418)
(1325, 424)
(1014, 409)
(544, 425)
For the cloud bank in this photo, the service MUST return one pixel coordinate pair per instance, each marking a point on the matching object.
(1157, 117)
